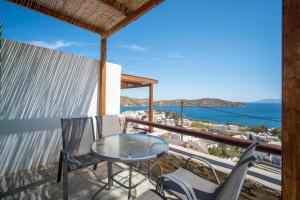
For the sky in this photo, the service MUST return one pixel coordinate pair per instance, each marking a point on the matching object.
(198, 48)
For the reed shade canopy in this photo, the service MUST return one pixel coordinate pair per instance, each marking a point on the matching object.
(129, 81)
(104, 17)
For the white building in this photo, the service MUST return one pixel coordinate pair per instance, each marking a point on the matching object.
(213, 145)
(262, 137)
(233, 128)
(186, 122)
(220, 127)
(170, 122)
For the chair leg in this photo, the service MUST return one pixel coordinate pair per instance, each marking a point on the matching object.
(95, 167)
(65, 182)
(59, 167)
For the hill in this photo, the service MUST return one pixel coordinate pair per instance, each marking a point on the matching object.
(209, 102)
(128, 102)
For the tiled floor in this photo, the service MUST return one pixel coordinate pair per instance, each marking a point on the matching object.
(83, 184)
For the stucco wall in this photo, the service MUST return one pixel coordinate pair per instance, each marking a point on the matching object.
(113, 94)
(38, 87)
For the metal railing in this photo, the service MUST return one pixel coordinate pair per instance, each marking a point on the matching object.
(268, 148)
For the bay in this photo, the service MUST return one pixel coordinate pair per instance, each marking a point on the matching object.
(252, 114)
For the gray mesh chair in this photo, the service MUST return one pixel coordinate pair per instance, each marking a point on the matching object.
(108, 125)
(207, 190)
(77, 138)
(158, 194)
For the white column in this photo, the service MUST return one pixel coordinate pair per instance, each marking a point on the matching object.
(113, 88)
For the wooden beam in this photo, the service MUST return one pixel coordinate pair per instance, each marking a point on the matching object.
(133, 85)
(118, 6)
(135, 15)
(150, 117)
(181, 117)
(137, 79)
(102, 79)
(57, 14)
(291, 101)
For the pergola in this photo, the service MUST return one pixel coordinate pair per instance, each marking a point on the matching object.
(129, 81)
(106, 17)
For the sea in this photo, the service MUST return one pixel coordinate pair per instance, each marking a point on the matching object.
(252, 114)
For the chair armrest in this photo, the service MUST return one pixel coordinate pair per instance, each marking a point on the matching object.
(206, 162)
(188, 190)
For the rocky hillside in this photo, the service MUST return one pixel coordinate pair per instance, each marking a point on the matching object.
(127, 102)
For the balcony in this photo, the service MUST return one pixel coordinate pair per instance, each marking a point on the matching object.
(40, 183)
(37, 91)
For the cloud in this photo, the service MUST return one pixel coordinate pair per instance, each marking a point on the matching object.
(134, 47)
(54, 45)
(175, 56)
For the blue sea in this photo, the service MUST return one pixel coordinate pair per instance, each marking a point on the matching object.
(269, 113)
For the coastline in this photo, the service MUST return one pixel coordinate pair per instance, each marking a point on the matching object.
(269, 114)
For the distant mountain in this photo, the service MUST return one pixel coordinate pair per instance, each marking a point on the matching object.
(209, 102)
(268, 101)
(128, 101)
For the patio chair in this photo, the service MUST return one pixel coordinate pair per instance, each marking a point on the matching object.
(108, 125)
(77, 137)
(207, 190)
(158, 194)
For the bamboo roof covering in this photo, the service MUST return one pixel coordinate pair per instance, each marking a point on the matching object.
(129, 81)
(103, 17)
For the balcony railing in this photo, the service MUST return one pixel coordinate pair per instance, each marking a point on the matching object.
(268, 148)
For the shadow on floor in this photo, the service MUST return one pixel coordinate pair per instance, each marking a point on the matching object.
(83, 184)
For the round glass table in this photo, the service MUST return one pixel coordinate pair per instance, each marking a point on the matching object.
(128, 148)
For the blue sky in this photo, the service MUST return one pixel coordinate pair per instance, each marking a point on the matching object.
(204, 48)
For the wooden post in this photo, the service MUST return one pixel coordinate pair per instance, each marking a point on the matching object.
(181, 117)
(150, 117)
(291, 101)
(102, 78)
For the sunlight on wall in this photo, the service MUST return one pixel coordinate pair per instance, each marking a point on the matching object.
(40, 86)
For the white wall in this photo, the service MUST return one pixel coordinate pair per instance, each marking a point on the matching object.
(38, 87)
(113, 88)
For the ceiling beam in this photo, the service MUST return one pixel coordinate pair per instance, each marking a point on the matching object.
(118, 6)
(134, 15)
(137, 79)
(133, 85)
(57, 14)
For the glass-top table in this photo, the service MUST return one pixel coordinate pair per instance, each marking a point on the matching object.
(128, 148)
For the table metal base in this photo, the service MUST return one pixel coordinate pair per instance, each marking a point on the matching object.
(105, 186)
(111, 176)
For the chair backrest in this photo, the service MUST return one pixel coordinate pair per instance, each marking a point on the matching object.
(108, 125)
(77, 135)
(231, 188)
